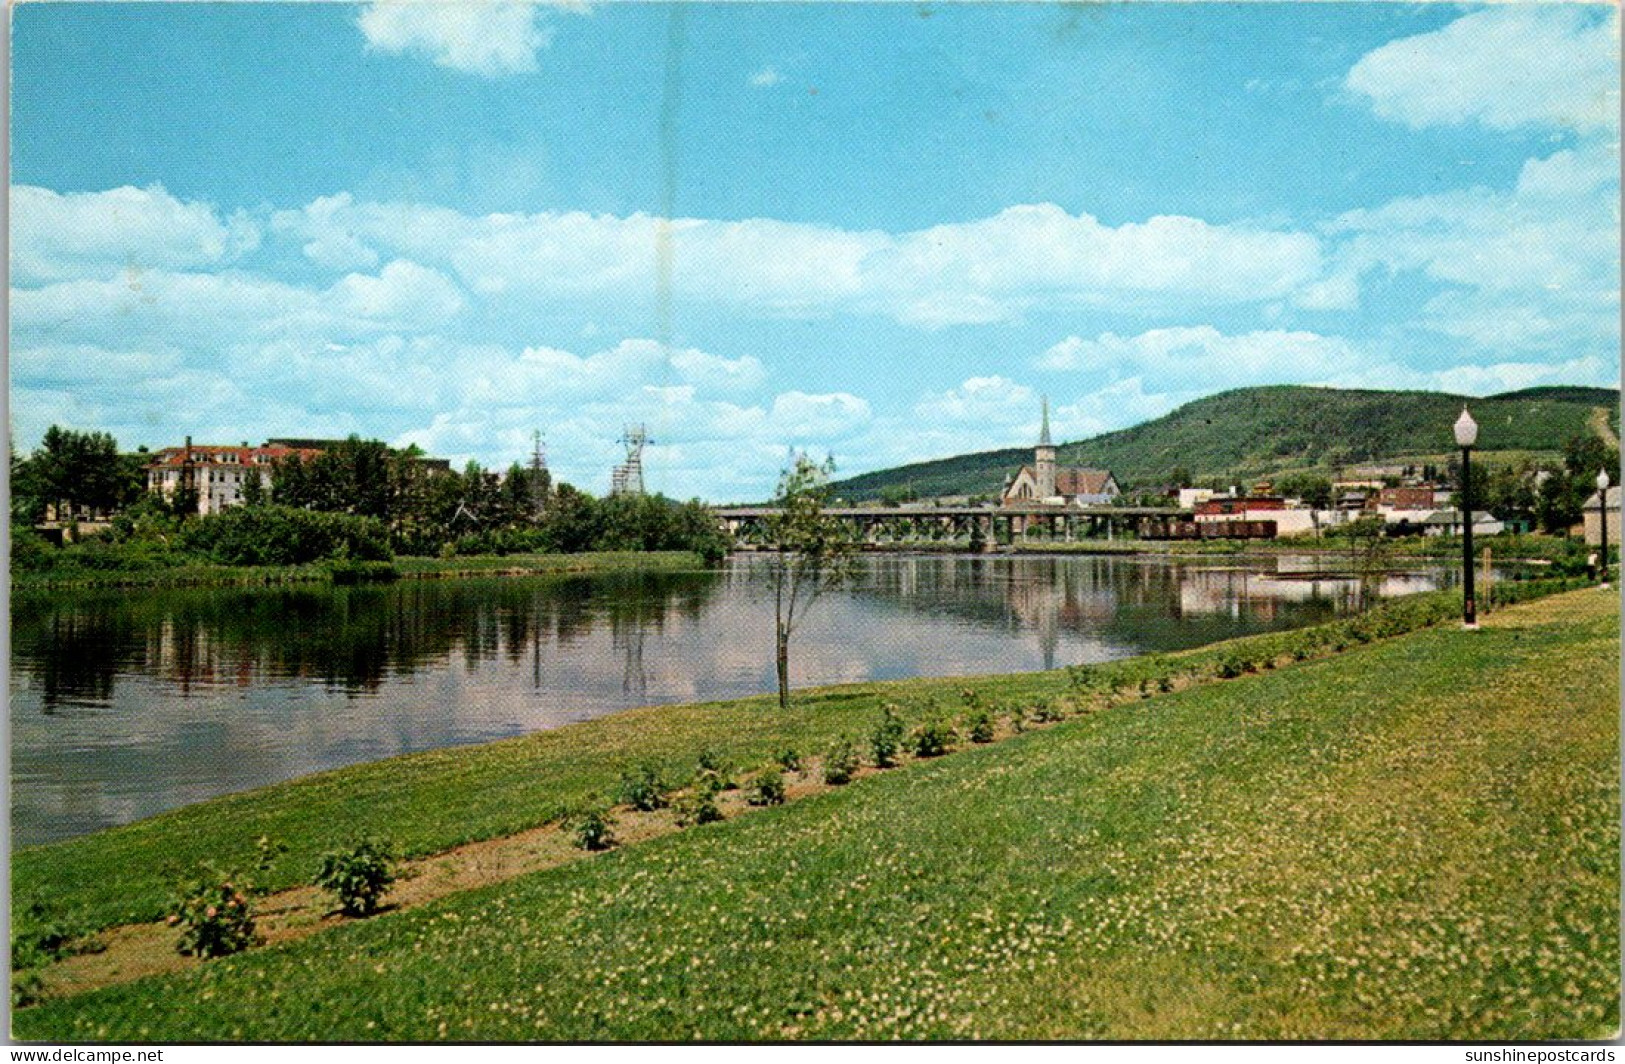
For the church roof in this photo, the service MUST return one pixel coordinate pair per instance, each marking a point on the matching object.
(1075, 480)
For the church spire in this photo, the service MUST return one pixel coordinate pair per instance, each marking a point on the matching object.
(1043, 433)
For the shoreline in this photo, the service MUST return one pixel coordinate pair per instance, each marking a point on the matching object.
(402, 568)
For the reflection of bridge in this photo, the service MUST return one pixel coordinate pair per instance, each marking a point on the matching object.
(996, 524)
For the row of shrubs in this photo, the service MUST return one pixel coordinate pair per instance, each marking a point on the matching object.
(1089, 687)
(211, 911)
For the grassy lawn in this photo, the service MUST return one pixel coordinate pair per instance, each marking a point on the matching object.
(1417, 838)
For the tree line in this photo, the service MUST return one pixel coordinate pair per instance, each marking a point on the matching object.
(402, 503)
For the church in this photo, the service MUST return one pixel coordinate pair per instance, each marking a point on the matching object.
(1045, 482)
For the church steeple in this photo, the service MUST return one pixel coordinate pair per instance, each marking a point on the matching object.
(1044, 459)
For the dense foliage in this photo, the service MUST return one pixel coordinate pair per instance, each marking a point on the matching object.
(358, 501)
(74, 472)
(1256, 431)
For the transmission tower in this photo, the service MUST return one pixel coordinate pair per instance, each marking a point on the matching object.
(627, 478)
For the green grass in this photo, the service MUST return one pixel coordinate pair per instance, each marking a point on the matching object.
(1417, 839)
(210, 575)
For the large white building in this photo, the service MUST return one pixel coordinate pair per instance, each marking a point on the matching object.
(218, 473)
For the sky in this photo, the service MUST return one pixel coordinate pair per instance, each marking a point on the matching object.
(880, 232)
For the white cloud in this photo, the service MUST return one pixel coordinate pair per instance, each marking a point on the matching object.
(58, 237)
(833, 416)
(487, 37)
(982, 401)
(403, 293)
(982, 271)
(766, 78)
(1535, 268)
(1190, 358)
(1506, 67)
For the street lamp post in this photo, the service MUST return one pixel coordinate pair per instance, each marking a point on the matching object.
(1466, 436)
(1602, 512)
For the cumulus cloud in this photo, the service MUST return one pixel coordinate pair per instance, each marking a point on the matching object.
(1506, 67)
(491, 38)
(766, 78)
(1533, 268)
(828, 417)
(993, 269)
(58, 236)
(1194, 357)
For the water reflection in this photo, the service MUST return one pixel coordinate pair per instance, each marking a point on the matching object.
(126, 704)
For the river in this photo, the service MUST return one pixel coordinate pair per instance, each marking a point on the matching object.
(127, 703)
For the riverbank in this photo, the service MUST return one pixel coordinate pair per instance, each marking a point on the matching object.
(402, 568)
(1233, 858)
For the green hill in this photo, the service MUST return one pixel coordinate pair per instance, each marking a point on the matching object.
(1255, 431)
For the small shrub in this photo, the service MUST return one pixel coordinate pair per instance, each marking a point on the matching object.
(840, 762)
(698, 805)
(1165, 683)
(1080, 677)
(713, 763)
(642, 788)
(590, 826)
(766, 787)
(788, 759)
(1233, 664)
(932, 739)
(214, 915)
(887, 738)
(26, 981)
(1145, 687)
(1047, 712)
(358, 876)
(979, 726)
(973, 700)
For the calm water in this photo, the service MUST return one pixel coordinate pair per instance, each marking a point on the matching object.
(124, 704)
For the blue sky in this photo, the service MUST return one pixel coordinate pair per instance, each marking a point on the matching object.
(881, 231)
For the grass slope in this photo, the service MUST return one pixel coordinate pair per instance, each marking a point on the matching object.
(1253, 431)
(1414, 839)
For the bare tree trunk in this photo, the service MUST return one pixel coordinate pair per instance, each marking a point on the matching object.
(782, 660)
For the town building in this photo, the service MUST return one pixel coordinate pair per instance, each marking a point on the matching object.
(217, 472)
(1448, 523)
(1593, 512)
(1046, 482)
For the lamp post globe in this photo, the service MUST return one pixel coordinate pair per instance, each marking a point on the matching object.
(1466, 435)
(1602, 522)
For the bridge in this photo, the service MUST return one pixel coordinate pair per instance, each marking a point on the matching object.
(894, 524)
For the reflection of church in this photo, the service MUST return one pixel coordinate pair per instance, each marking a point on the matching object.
(1045, 482)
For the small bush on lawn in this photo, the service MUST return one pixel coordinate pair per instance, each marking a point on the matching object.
(26, 981)
(973, 700)
(590, 826)
(712, 763)
(1047, 712)
(1233, 664)
(979, 726)
(698, 805)
(766, 787)
(932, 739)
(642, 788)
(1080, 677)
(50, 934)
(789, 759)
(213, 914)
(840, 762)
(887, 738)
(358, 876)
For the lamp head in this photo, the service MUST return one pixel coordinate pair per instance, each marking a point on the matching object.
(1602, 480)
(1466, 429)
